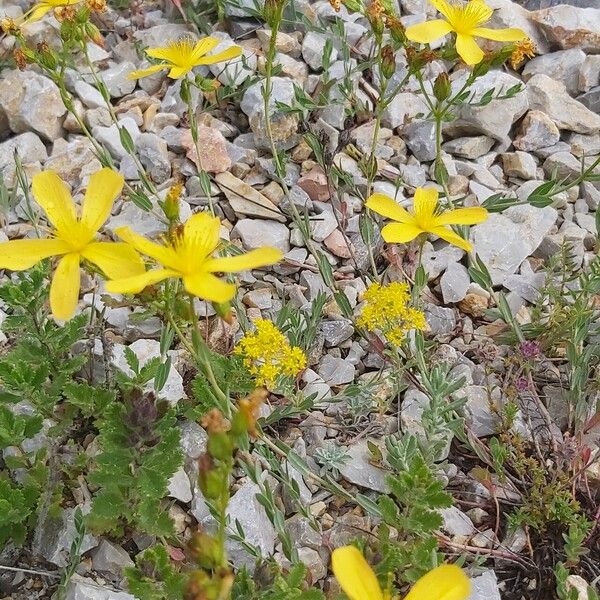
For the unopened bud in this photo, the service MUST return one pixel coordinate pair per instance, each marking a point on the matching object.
(397, 30)
(219, 445)
(374, 15)
(388, 62)
(171, 204)
(273, 12)
(441, 87)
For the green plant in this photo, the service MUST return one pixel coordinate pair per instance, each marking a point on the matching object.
(139, 453)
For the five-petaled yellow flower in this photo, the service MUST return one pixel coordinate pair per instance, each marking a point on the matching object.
(425, 218)
(39, 9)
(73, 238)
(189, 256)
(466, 22)
(359, 582)
(181, 56)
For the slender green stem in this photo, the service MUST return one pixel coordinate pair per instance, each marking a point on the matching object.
(186, 93)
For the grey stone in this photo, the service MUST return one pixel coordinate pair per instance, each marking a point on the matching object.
(146, 350)
(154, 155)
(469, 147)
(420, 138)
(505, 240)
(244, 8)
(591, 100)
(584, 145)
(253, 103)
(256, 233)
(89, 95)
(527, 284)
(57, 536)
(179, 486)
(485, 587)
(454, 283)
(403, 107)
(537, 130)
(32, 102)
(564, 164)
(84, 588)
(28, 147)
(337, 331)
(440, 320)
(589, 73)
(109, 558)
(552, 98)
(571, 27)
(494, 119)
(519, 164)
(236, 71)
(336, 371)
(317, 569)
(313, 47)
(110, 138)
(245, 200)
(359, 469)
(246, 510)
(563, 66)
(482, 420)
(117, 81)
(436, 259)
(457, 522)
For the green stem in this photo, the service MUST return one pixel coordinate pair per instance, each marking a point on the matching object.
(186, 94)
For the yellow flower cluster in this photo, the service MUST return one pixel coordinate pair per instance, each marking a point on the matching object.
(268, 354)
(387, 310)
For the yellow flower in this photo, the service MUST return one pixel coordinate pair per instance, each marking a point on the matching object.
(387, 310)
(268, 354)
(466, 21)
(425, 218)
(182, 56)
(74, 237)
(38, 10)
(359, 582)
(189, 257)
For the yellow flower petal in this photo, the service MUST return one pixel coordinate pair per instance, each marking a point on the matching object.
(462, 216)
(37, 12)
(117, 260)
(400, 233)
(178, 72)
(18, 255)
(388, 207)
(164, 255)
(203, 46)
(446, 582)
(468, 50)
(134, 285)
(500, 35)
(147, 71)
(103, 188)
(429, 31)
(354, 574)
(442, 7)
(209, 287)
(424, 204)
(451, 237)
(64, 289)
(53, 195)
(243, 262)
(228, 54)
(201, 234)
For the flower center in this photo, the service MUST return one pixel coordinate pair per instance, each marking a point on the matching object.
(182, 51)
(464, 19)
